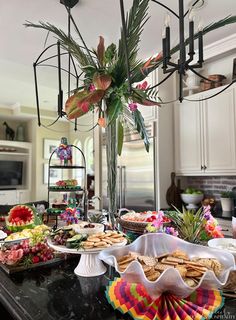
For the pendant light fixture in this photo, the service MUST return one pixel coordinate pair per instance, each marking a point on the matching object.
(186, 47)
(49, 61)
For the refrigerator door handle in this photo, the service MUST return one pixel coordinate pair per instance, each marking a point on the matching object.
(119, 195)
(123, 174)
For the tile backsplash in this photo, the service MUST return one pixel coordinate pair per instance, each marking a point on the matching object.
(211, 185)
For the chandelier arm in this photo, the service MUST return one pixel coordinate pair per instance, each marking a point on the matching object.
(192, 7)
(52, 66)
(82, 125)
(201, 76)
(51, 124)
(167, 102)
(52, 45)
(214, 95)
(125, 44)
(76, 125)
(167, 8)
(159, 83)
(169, 70)
(37, 94)
(51, 57)
(81, 38)
(60, 92)
(172, 64)
(69, 56)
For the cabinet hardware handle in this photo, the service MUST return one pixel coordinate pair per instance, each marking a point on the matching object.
(202, 167)
(205, 167)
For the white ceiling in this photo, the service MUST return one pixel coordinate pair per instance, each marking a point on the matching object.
(21, 46)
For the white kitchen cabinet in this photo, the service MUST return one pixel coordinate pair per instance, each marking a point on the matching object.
(205, 134)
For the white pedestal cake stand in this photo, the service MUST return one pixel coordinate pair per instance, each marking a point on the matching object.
(89, 264)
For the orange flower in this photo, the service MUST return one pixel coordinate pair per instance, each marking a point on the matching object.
(102, 122)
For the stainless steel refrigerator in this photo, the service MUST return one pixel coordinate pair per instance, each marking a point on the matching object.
(136, 185)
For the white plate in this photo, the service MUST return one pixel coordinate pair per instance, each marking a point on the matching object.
(10, 242)
(79, 228)
(3, 235)
(223, 243)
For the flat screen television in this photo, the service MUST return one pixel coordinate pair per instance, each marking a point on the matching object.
(11, 173)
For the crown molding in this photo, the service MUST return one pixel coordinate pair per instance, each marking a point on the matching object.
(220, 47)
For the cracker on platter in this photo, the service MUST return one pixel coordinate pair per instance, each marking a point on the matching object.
(103, 240)
(191, 270)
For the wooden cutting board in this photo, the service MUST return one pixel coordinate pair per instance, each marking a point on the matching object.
(173, 194)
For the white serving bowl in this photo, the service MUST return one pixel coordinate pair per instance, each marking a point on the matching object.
(79, 228)
(224, 244)
(191, 199)
(155, 244)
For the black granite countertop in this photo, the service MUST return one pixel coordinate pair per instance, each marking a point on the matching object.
(57, 293)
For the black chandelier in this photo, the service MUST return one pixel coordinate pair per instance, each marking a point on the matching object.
(183, 64)
(186, 60)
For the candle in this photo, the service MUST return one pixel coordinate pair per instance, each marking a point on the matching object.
(191, 33)
(200, 43)
(168, 42)
(167, 20)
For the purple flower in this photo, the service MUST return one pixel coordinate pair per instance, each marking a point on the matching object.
(133, 106)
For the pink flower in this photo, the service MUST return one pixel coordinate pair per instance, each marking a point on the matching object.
(142, 86)
(133, 106)
(91, 87)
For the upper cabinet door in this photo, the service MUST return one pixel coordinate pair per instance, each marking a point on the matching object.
(188, 138)
(149, 113)
(220, 132)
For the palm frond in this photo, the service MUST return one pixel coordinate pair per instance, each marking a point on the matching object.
(135, 21)
(68, 43)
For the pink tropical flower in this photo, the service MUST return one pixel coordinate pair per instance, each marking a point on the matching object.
(133, 106)
(142, 86)
(91, 87)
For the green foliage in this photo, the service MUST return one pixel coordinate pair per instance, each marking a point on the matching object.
(227, 194)
(96, 218)
(139, 123)
(188, 223)
(120, 137)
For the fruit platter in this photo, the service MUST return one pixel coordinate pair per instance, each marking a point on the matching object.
(66, 240)
(138, 221)
(26, 249)
(23, 243)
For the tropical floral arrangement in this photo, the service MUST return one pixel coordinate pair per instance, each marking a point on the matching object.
(113, 84)
(189, 225)
(105, 73)
(70, 215)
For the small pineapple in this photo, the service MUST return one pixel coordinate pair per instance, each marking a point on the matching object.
(189, 223)
(96, 218)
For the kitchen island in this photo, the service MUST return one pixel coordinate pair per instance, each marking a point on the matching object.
(55, 292)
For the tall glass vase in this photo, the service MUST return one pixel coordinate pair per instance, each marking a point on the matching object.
(111, 155)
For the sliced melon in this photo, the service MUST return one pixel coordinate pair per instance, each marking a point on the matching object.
(21, 217)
